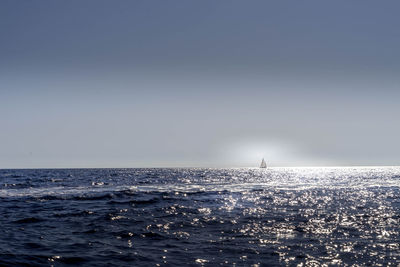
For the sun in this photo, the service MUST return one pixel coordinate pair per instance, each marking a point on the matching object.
(251, 152)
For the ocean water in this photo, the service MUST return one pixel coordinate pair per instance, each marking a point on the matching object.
(195, 217)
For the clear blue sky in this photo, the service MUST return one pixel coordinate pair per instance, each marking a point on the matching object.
(199, 83)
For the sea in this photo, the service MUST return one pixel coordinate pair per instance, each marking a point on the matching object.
(200, 217)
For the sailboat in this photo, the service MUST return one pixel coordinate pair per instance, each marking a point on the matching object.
(263, 164)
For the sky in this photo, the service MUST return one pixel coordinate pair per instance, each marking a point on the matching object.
(94, 83)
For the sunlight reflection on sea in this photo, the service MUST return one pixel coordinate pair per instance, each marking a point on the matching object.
(277, 216)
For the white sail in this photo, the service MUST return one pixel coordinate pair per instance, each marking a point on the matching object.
(263, 164)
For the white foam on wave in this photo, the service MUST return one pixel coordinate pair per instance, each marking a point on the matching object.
(60, 191)
(238, 180)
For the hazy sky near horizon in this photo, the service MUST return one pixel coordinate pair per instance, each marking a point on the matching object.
(147, 83)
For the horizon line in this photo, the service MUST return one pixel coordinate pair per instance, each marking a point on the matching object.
(202, 167)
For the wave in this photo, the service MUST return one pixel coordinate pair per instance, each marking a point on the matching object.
(29, 220)
(112, 192)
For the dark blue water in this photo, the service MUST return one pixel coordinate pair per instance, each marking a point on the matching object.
(189, 217)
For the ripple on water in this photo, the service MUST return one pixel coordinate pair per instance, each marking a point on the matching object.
(250, 217)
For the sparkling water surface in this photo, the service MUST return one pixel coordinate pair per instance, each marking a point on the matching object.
(194, 217)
